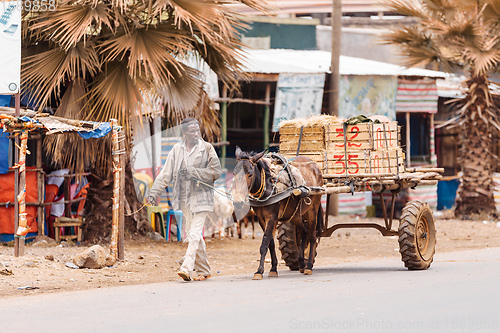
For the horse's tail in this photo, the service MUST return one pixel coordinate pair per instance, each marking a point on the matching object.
(320, 222)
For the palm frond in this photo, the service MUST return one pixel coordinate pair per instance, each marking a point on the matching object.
(84, 153)
(104, 56)
(114, 94)
(68, 25)
(45, 72)
(74, 100)
(406, 7)
(148, 50)
(492, 11)
(220, 57)
(483, 61)
(182, 93)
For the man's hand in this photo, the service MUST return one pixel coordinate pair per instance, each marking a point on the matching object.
(150, 201)
(184, 173)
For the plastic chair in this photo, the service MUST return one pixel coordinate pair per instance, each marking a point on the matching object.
(177, 214)
(51, 191)
(155, 216)
(81, 204)
(171, 213)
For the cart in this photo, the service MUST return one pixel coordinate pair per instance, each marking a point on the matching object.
(358, 158)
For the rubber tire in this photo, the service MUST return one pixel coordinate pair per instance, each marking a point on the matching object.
(417, 224)
(288, 245)
(288, 239)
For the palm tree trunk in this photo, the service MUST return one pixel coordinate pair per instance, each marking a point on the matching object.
(476, 155)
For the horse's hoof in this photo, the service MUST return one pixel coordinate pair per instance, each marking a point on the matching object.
(301, 270)
(308, 271)
(257, 276)
(273, 274)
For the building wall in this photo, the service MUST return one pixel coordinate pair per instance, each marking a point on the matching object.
(282, 35)
(360, 43)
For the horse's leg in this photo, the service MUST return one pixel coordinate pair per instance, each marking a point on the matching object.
(302, 245)
(266, 240)
(274, 260)
(312, 250)
(253, 227)
(312, 244)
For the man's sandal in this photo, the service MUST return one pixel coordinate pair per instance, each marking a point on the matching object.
(185, 276)
(202, 277)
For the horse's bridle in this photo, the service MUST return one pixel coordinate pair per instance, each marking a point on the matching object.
(262, 187)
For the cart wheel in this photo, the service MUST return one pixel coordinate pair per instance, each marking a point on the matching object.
(288, 245)
(417, 235)
(289, 240)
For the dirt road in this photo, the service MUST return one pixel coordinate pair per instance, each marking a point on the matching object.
(42, 269)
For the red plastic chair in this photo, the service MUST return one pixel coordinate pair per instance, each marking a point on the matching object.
(51, 191)
(81, 205)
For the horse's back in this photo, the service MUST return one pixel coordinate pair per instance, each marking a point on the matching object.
(309, 170)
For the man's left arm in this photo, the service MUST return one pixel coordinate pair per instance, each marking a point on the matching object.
(212, 171)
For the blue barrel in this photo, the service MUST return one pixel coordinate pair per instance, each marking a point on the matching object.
(447, 193)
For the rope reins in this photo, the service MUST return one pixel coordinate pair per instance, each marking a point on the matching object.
(226, 194)
(255, 195)
(137, 211)
(262, 186)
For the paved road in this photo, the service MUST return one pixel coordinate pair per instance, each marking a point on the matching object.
(459, 293)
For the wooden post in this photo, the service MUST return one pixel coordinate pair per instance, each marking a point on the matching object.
(121, 221)
(152, 140)
(333, 204)
(432, 142)
(16, 183)
(22, 229)
(335, 66)
(266, 116)
(117, 195)
(116, 191)
(408, 143)
(41, 187)
(224, 127)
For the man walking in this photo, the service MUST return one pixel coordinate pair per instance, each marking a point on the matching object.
(190, 166)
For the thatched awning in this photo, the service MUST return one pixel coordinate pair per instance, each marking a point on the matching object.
(52, 124)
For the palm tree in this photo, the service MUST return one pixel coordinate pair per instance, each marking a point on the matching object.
(461, 36)
(99, 59)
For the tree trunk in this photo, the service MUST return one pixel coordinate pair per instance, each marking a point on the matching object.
(98, 218)
(476, 155)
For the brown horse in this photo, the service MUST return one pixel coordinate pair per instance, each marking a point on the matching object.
(252, 176)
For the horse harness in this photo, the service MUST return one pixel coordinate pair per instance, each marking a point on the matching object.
(255, 199)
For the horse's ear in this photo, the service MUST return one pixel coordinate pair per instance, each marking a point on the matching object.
(238, 152)
(257, 157)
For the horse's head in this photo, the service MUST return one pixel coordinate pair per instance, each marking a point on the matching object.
(244, 175)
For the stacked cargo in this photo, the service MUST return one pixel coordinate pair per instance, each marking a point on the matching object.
(311, 134)
(363, 148)
(340, 149)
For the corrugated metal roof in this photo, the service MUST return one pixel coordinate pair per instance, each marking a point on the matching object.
(275, 61)
(315, 6)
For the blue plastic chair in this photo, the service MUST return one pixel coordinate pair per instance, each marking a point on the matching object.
(177, 214)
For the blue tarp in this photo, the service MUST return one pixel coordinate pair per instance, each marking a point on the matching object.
(102, 130)
(5, 100)
(4, 140)
(4, 152)
(26, 119)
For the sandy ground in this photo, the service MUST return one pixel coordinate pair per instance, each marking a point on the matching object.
(43, 268)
